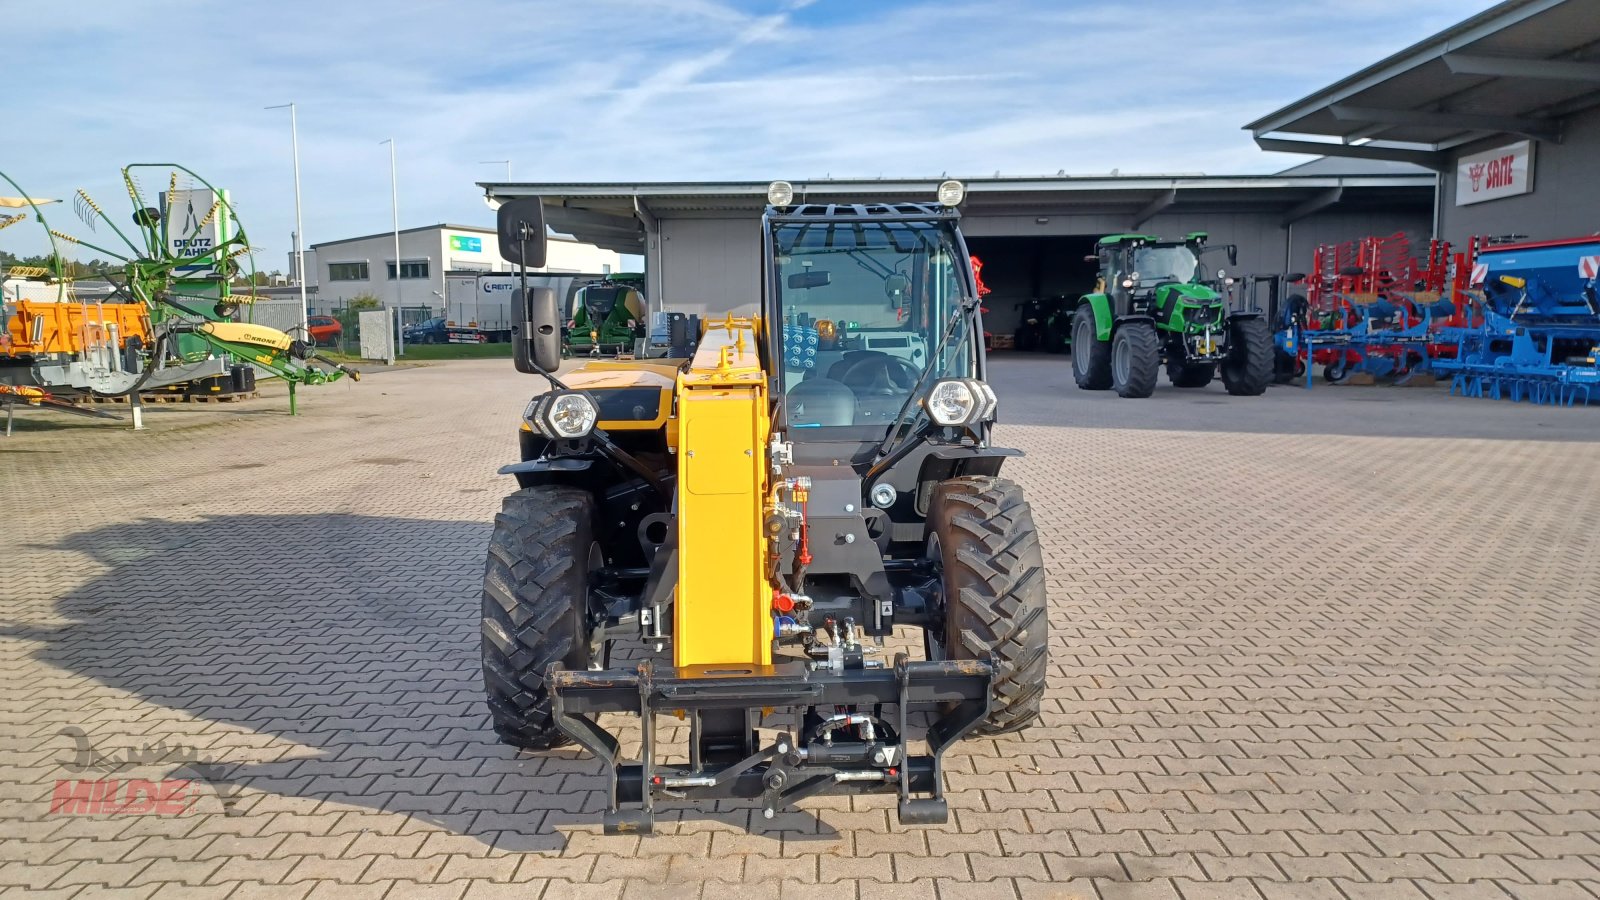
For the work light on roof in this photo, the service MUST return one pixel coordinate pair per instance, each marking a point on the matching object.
(951, 193)
(780, 193)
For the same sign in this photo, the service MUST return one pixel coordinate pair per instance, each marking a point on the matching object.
(1501, 172)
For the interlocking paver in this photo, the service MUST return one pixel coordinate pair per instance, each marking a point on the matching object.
(1354, 658)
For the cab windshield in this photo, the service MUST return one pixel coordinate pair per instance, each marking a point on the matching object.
(864, 307)
(1158, 264)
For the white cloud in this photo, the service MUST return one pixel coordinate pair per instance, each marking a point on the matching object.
(635, 90)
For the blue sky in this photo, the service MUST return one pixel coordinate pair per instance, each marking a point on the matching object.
(641, 90)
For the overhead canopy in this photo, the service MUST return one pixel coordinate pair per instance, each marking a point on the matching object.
(616, 216)
(1518, 68)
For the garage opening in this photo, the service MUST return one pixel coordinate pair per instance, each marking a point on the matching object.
(1034, 277)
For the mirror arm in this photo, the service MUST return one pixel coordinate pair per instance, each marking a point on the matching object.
(527, 324)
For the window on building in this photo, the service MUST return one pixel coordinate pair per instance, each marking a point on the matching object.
(347, 271)
(410, 268)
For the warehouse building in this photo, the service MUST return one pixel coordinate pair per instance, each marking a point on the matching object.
(702, 251)
(1504, 107)
(366, 265)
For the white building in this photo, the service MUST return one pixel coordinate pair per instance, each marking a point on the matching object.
(344, 270)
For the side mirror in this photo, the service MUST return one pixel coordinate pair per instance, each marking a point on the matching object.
(536, 338)
(521, 228)
(810, 279)
(1233, 255)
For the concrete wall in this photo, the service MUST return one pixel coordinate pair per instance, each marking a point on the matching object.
(1565, 201)
(711, 265)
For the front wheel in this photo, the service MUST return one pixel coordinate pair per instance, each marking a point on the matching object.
(1247, 369)
(1091, 357)
(1135, 359)
(535, 607)
(981, 532)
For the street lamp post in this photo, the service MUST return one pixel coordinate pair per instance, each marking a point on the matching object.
(399, 290)
(299, 226)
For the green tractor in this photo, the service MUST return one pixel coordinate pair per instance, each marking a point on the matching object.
(1154, 303)
(607, 316)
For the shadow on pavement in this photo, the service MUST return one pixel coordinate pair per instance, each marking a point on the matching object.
(353, 637)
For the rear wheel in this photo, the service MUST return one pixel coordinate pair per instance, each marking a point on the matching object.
(535, 603)
(1091, 357)
(1135, 359)
(981, 532)
(1247, 369)
(1191, 375)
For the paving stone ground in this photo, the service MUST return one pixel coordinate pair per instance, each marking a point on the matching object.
(1342, 644)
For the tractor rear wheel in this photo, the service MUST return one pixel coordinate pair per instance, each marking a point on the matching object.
(981, 531)
(1135, 359)
(1190, 375)
(1247, 369)
(535, 605)
(1091, 357)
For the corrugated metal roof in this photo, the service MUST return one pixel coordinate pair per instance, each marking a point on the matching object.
(612, 215)
(1517, 68)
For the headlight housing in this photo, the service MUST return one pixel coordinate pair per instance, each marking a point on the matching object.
(951, 193)
(563, 415)
(960, 401)
(780, 193)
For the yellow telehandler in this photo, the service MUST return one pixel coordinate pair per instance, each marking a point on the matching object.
(772, 509)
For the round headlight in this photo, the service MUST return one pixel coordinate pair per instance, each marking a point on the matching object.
(951, 193)
(951, 402)
(569, 415)
(883, 495)
(780, 193)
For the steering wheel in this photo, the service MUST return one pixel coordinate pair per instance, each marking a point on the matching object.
(884, 376)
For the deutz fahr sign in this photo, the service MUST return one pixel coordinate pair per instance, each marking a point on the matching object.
(196, 230)
(1501, 172)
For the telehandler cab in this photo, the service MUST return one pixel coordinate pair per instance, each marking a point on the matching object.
(772, 509)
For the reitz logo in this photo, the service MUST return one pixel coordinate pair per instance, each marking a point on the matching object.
(109, 794)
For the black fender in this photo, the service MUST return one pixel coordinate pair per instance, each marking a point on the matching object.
(1133, 317)
(945, 463)
(1245, 314)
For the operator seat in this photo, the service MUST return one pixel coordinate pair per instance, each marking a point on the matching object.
(821, 401)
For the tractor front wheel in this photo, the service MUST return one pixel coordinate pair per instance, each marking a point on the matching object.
(1135, 359)
(981, 533)
(1091, 357)
(535, 605)
(1247, 369)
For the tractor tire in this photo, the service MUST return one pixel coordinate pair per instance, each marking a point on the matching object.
(535, 605)
(1191, 375)
(1135, 359)
(981, 531)
(1091, 357)
(1247, 369)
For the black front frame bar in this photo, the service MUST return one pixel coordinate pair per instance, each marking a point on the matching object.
(787, 770)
